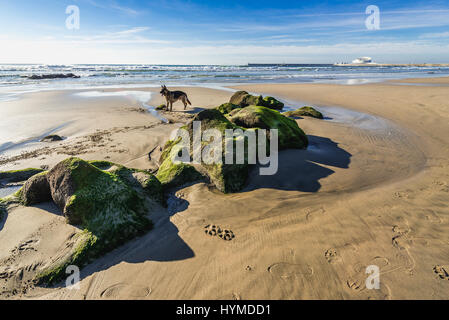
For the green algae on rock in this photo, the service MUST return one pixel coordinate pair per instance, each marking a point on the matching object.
(290, 135)
(172, 174)
(161, 107)
(35, 190)
(226, 177)
(244, 99)
(227, 107)
(110, 206)
(272, 103)
(304, 112)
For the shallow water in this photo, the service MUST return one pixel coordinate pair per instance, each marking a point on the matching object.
(341, 115)
(7, 191)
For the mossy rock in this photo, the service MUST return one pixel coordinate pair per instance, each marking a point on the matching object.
(238, 98)
(161, 107)
(109, 207)
(19, 175)
(289, 134)
(35, 190)
(102, 164)
(244, 99)
(227, 107)
(272, 103)
(304, 112)
(227, 178)
(140, 179)
(175, 174)
(233, 112)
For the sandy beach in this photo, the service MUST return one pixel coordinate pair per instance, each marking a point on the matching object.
(371, 189)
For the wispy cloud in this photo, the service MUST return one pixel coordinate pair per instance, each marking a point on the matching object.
(435, 35)
(114, 6)
(127, 36)
(128, 11)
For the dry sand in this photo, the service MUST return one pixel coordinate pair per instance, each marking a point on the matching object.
(372, 189)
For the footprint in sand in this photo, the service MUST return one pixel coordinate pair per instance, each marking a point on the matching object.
(359, 288)
(332, 256)
(122, 290)
(224, 234)
(442, 272)
(286, 270)
(211, 230)
(357, 281)
(403, 195)
(433, 217)
(312, 213)
(231, 296)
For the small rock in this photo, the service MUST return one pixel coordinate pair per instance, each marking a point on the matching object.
(52, 138)
(36, 190)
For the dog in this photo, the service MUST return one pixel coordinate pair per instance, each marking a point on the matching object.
(173, 96)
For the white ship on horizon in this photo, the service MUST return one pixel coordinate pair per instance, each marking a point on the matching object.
(358, 61)
(363, 60)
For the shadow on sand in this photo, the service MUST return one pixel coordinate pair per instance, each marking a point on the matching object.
(298, 170)
(162, 244)
(301, 170)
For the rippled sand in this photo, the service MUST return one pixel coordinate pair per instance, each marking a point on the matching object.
(372, 189)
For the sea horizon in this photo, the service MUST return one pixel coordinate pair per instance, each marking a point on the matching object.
(14, 78)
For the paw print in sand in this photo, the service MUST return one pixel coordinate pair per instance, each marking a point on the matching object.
(226, 235)
(213, 230)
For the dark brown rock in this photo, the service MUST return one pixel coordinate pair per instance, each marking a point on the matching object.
(52, 138)
(36, 190)
(62, 184)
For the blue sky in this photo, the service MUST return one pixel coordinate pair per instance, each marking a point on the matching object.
(222, 32)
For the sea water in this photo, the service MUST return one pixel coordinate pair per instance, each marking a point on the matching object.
(14, 78)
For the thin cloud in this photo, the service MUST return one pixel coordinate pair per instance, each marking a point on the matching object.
(435, 35)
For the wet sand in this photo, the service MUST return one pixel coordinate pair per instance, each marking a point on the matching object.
(372, 189)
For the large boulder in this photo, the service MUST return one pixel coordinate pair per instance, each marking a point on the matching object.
(227, 178)
(227, 107)
(172, 174)
(110, 206)
(304, 112)
(244, 99)
(289, 134)
(272, 103)
(36, 190)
